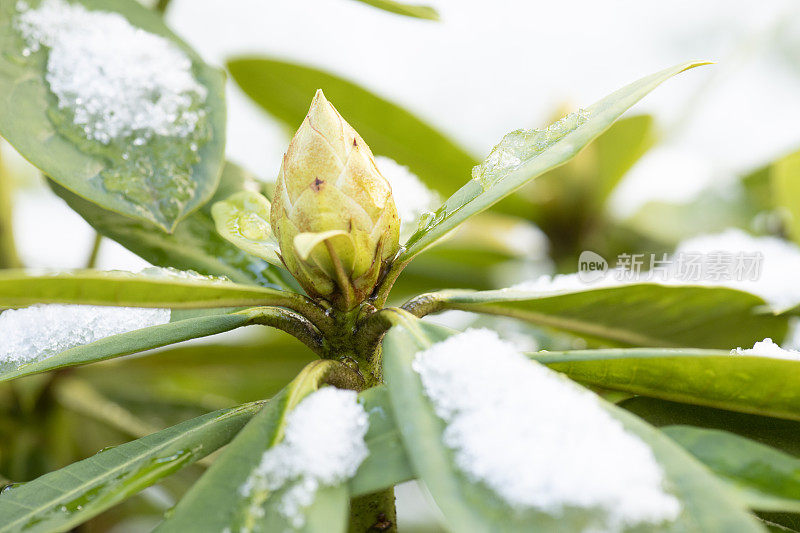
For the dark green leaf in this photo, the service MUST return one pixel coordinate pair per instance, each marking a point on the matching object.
(216, 502)
(193, 245)
(467, 506)
(642, 314)
(93, 287)
(128, 343)
(767, 479)
(749, 384)
(65, 498)
(180, 180)
(285, 90)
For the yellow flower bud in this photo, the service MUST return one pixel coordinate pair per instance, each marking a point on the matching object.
(333, 213)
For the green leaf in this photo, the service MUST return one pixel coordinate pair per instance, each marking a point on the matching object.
(400, 8)
(128, 343)
(776, 432)
(285, 90)
(545, 151)
(63, 499)
(243, 220)
(215, 502)
(466, 506)
(640, 314)
(744, 383)
(767, 479)
(178, 181)
(785, 178)
(93, 287)
(387, 463)
(193, 245)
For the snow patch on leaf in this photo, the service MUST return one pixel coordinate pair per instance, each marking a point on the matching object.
(767, 348)
(323, 446)
(41, 331)
(536, 439)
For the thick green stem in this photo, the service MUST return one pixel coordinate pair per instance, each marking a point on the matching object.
(373, 513)
(8, 252)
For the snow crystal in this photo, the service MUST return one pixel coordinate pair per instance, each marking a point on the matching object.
(411, 196)
(767, 348)
(535, 438)
(40, 331)
(323, 446)
(117, 80)
(779, 279)
(174, 273)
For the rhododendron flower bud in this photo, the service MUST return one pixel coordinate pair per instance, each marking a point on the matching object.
(333, 213)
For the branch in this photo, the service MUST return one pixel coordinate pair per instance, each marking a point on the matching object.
(292, 323)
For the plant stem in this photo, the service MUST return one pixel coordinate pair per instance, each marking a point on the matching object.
(292, 323)
(374, 512)
(8, 252)
(92, 261)
(161, 6)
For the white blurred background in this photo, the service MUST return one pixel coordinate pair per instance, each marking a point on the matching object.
(489, 67)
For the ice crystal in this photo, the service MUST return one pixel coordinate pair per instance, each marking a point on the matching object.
(519, 146)
(41, 331)
(323, 446)
(536, 439)
(117, 80)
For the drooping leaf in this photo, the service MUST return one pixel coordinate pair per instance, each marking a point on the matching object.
(767, 479)
(534, 154)
(193, 245)
(402, 8)
(744, 383)
(642, 314)
(128, 343)
(216, 502)
(160, 182)
(92, 287)
(63, 499)
(285, 90)
(243, 220)
(706, 505)
(778, 433)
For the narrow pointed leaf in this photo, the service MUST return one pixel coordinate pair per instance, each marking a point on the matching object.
(63, 499)
(216, 501)
(128, 343)
(100, 173)
(543, 155)
(92, 287)
(706, 504)
(284, 90)
(193, 245)
(767, 479)
(744, 383)
(644, 314)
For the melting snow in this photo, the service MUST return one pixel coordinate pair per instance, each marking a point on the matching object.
(537, 439)
(119, 81)
(767, 348)
(323, 446)
(41, 331)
